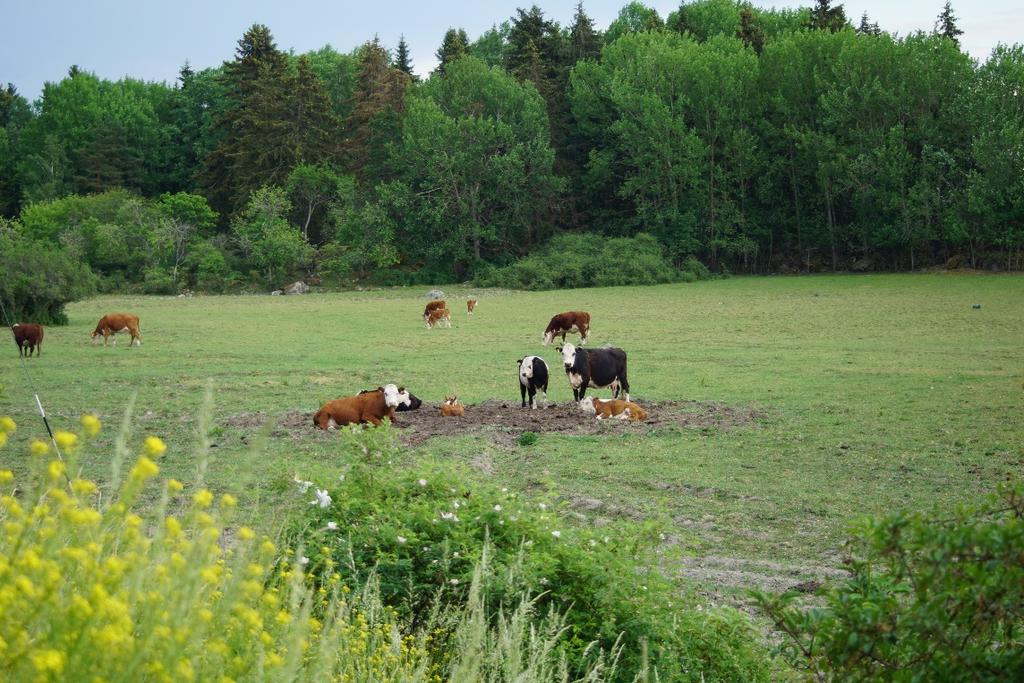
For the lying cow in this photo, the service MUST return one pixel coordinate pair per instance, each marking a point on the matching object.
(621, 410)
(470, 306)
(29, 338)
(406, 399)
(433, 306)
(563, 323)
(533, 377)
(597, 368)
(112, 323)
(370, 406)
(438, 316)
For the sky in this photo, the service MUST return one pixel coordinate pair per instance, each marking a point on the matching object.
(151, 40)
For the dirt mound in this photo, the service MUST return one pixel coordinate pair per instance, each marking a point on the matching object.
(505, 421)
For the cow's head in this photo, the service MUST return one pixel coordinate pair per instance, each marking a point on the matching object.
(587, 405)
(392, 396)
(568, 352)
(95, 338)
(525, 368)
(546, 337)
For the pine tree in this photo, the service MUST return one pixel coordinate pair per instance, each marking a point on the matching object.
(107, 161)
(826, 17)
(454, 45)
(946, 26)
(376, 113)
(402, 60)
(584, 41)
(750, 32)
(868, 27)
(311, 118)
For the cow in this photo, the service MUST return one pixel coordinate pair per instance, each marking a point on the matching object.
(437, 316)
(452, 408)
(598, 368)
(370, 406)
(563, 323)
(406, 399)
(470, 306)
(533, 377)
(621, 410)
(29, 338)
(112, 323)
(434, 305)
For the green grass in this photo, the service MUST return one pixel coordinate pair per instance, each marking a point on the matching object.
(879, 393)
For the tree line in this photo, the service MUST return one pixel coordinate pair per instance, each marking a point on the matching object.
(746, 139)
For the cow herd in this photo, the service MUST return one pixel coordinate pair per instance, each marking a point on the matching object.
(584, 368)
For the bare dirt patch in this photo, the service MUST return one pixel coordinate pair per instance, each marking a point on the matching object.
(504, 421)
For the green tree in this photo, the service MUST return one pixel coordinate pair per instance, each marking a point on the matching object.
(403, 62)
(826, 17)
(39, 280)
(750, 32)
(584, 39)
(454, 46)
(868, 27)
(946, 25)
(633, 18)
(14, 116)
(312, 189)
(266, 238)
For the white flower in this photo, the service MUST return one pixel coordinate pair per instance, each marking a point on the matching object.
(423, 482)
(455, 504)
(450, 516)
(426, 549)
(402, 540)
(504, 489)
(341, 477)
(543, 506)
(556, 534)
(333, 526)
(322, 499)
(455, 554)
(303, 560)
(592, 543)
(497, 508)
(543, 581)
(454, 582)
(303, 485)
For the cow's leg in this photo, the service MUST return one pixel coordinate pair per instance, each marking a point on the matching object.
(624, 383)
(533, 397)
(545, 390)
(374, 420)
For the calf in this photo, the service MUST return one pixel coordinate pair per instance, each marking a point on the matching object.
(370, 406)
(439, 315)
(563, 323)
(598, 368)
(112, 323)
(470, 306)
(452, 408)
(622, 410)
(434, 305)
(29, 338)
(533, 377)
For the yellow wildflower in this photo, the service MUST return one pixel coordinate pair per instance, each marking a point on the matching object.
(203, 498)
(144, 469)
(66, 440)
(246, 534)
(91, 424)
(83, 486)
(7, 424)
(46, 661)
(185, 670)
(206, 615)
(39, 448)
(3, 439)
(228, 501)
(154, 446)
(55, 469)
(6, 476)
(173, 527)
(174, 486)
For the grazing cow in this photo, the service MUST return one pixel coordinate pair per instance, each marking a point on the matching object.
(563, 323)
(433, 306)
(452, 408)
(406, 399)
(470, 306)
(621, 410)
(112, 323)
(533, 377)
(370, 406)
(29, 338)
(598, 368)
(439, 315)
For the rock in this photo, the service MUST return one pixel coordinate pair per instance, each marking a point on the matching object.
(276, 292)
(975, 306)
(435, 294)
(299, 287)
(807, 586)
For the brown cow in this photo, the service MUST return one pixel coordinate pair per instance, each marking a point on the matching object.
(29, 338)
(112, 323)
(439, 315)
(434, 305)
(470, 306)
(452, 408)
(622, 410)
(369, 406)
(573, 321)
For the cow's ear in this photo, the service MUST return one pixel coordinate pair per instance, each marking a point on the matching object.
(558, 348)
(401, 390)
(519, 362)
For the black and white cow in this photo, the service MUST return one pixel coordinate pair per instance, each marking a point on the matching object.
(533, 377)
(597, 368)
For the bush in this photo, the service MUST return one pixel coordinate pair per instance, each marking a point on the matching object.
(39, 279)
(584, 260)
(158, 281)
(209, 265)
(931, 598)
(421, 530)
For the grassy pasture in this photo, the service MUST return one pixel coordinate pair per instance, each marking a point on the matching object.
(877, 393)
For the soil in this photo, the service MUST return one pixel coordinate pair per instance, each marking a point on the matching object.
(505, 421)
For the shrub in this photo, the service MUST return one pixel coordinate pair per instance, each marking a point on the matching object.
(527, 438)
(158, 281)
(209, 265)
(936, 598)
(421, 530)
(39, 279)
(575, 260)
